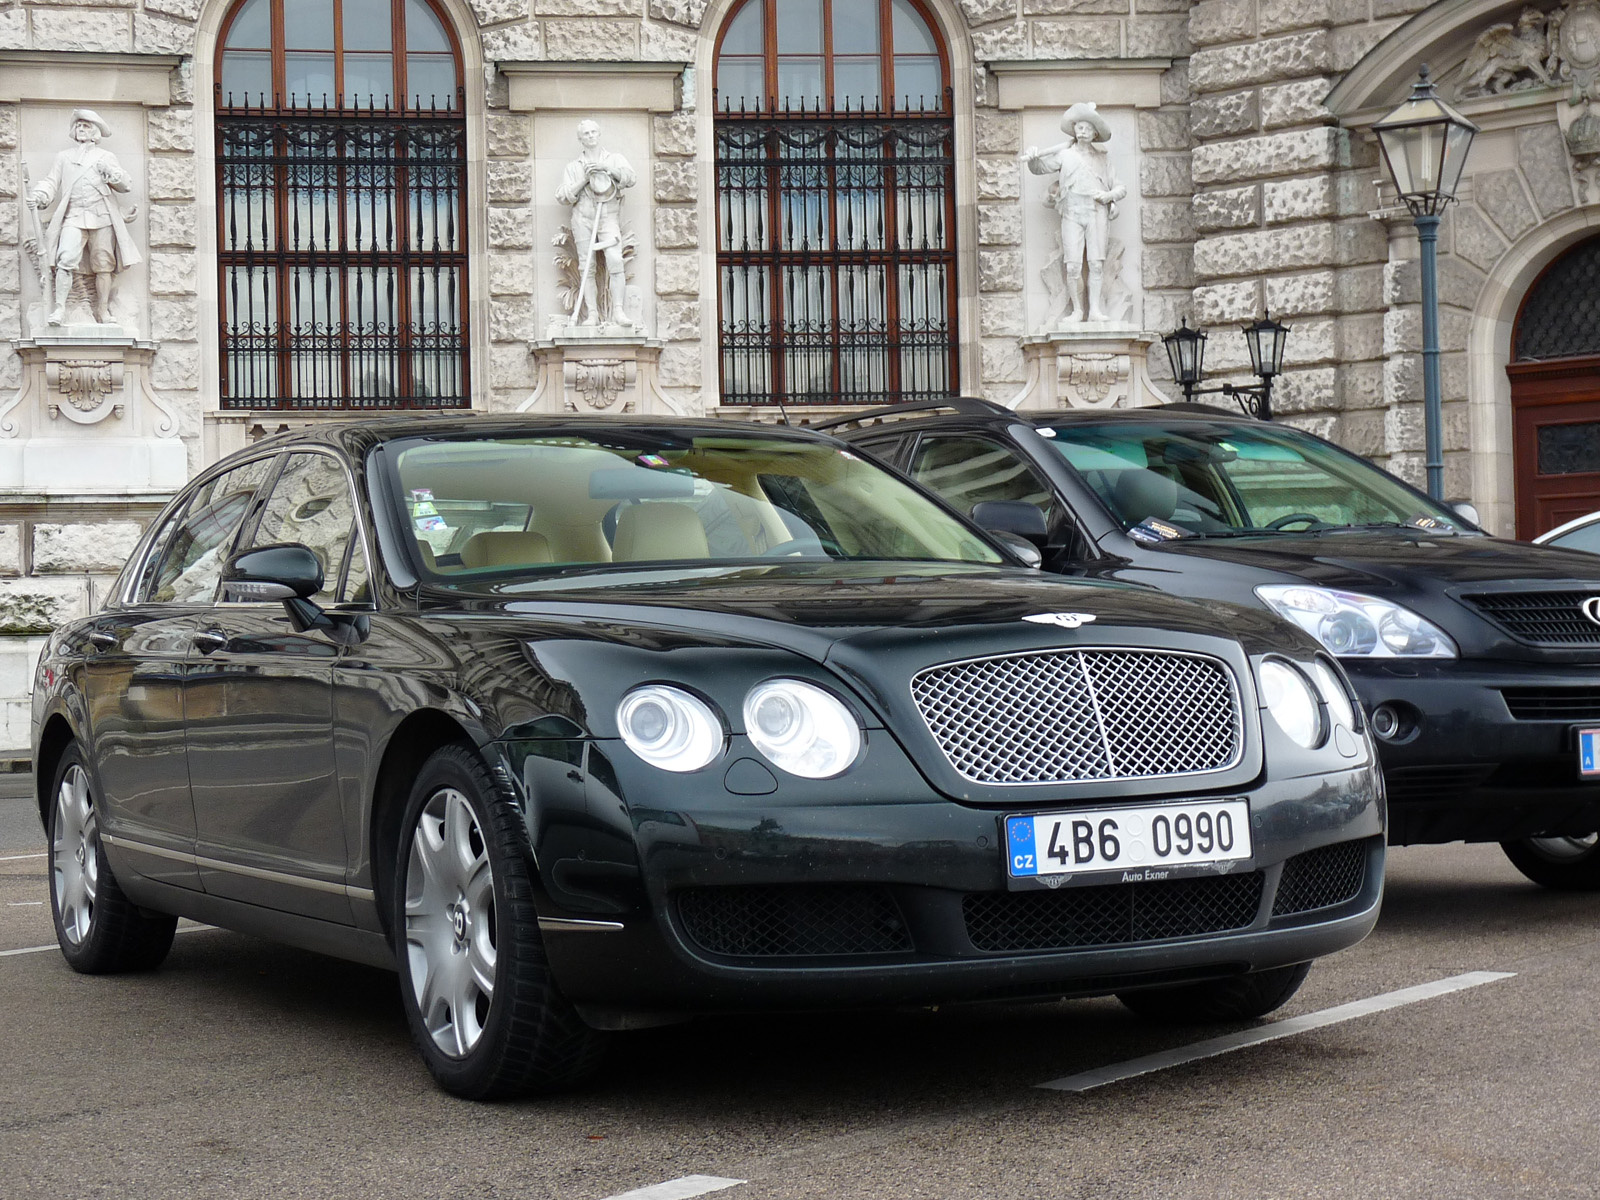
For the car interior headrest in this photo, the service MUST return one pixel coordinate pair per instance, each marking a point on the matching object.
(1142, 493)
(659, 531)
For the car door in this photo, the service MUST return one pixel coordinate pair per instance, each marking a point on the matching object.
(259, 706)
(135, 674)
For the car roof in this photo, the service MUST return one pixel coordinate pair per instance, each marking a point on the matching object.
(361, 434)
(968, 413)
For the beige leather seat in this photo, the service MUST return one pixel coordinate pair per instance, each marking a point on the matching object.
(653, 531)
(505, 548)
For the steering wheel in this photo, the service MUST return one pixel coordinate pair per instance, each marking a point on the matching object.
(797, 547)
(1288, 519)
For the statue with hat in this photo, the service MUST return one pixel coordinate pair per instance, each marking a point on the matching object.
(592, 185)
(87, 234)
(1086, 199)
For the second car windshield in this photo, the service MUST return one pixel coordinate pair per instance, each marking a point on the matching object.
(1216, 479)
(517, 503)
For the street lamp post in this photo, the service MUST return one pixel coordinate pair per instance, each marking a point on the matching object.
(1186, 352)
(1425, 143)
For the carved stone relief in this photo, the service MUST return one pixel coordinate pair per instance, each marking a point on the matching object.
(1536, 51)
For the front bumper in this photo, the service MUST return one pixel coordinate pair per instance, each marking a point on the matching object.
(1464, 768)
(748, 902)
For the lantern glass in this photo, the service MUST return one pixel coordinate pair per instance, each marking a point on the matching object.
(1424, 143)
(1266, 339)
(1186, 352)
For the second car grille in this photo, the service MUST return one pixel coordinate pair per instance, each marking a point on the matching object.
(1553, 703)
(1071, 715)
(1321, 878)
(793, 922)
(1540, 618)
(1111, 914)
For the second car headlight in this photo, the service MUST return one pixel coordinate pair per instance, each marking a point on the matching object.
(1353, 625)
(801, 728)
(670, 728)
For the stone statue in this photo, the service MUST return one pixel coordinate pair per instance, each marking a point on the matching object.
(592, 185)
(1509, 58)
(1088, 192)
(88, 232)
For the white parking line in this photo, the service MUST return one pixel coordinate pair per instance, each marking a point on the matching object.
(54, 946)
(679, 1189)
(20, 857)
(24, 903)
(1267, 1033)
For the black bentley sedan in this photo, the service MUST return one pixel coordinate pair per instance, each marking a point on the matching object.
(1477, 658)
(586, 724)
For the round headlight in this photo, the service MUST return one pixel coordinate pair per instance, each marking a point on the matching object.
(801, 728)
(1339, 706)
(670, 728)
(1290, 700)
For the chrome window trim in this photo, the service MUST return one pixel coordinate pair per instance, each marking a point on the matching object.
(1240, 726)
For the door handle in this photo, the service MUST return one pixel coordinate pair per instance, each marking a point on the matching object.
(102, 639)
(209, 640)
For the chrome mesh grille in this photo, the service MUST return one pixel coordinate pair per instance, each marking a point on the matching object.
(1071, 715)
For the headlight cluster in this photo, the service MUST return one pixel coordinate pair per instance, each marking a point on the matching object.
(1353, 625)
(798, 726)
(1296, 700)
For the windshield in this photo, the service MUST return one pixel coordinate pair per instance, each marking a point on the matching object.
(491, 505)
(1222, 478)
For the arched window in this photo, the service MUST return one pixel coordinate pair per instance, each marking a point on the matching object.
(1560, 317)
(835, 204)
(341, 178)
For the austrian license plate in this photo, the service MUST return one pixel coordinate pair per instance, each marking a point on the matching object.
(1589, 752)
(1143, 843)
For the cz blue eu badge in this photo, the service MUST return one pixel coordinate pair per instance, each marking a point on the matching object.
(1589, 752)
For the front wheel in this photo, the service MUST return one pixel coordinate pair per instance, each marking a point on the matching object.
(99, 929)
(483, 1007)
(1566, 864)
(1241, 998)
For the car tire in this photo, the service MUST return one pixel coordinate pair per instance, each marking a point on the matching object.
(1240, 998)
(483, 1006)
(101, 931)
(1565, 864)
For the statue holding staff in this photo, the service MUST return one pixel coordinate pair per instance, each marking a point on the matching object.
(593, 184)
(1088, 192)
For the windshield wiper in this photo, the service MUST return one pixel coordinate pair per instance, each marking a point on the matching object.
(1408, 526)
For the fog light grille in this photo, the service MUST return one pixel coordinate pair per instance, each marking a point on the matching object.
(793, 922)
(1112, 914)
(1321, 878)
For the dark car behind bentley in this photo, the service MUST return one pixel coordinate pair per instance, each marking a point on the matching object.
(1477, 657)
(588, 724)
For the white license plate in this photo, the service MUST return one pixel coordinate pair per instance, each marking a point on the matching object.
(1142, 840)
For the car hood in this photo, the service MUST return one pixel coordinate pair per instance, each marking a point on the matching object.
(814, 608)
(1401, 558)
(1426, 572)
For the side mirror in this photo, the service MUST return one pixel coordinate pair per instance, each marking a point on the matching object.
(1011, 516)
(285, 572)
(1019, 545)
(1465, 508)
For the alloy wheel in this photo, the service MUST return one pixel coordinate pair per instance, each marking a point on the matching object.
(74, 855)
(1565, 849)
(449, 922)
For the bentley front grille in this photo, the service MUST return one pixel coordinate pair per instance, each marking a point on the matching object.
(1067, 716)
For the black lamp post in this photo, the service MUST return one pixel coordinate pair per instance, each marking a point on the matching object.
(1186, 352)
(1425, 144)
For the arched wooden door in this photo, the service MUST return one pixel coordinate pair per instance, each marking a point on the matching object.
(1555, 393)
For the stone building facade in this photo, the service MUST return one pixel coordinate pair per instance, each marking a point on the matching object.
(1239, 135)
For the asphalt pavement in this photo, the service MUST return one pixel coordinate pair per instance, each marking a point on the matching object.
(244, 1069)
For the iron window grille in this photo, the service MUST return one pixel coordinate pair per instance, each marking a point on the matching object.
(343, 257)
(836, 254)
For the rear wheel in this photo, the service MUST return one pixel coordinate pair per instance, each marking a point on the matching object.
(1241, 998)
(100, 930)
(483, 1006)
(1568, 864)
